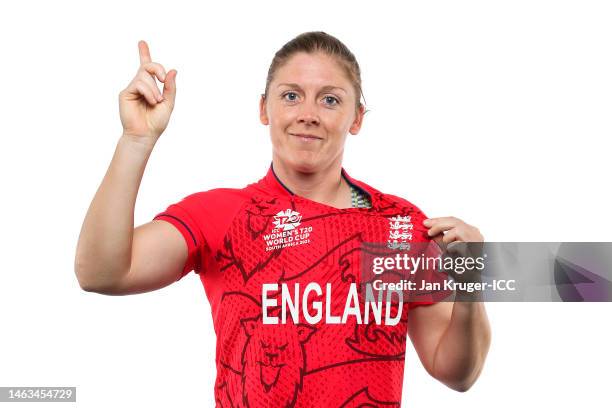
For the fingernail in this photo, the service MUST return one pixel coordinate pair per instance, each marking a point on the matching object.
(426, 221)
(160, 98)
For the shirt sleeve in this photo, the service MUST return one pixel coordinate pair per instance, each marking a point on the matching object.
(185, 217)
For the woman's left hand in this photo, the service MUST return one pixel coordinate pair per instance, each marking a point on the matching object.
(448, 230)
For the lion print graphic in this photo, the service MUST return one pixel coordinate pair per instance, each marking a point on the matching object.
(273, 370)
(273, 361)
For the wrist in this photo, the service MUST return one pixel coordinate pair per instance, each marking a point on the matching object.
(468, 297)
(141, 143)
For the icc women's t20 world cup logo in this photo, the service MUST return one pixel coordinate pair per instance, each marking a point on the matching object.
(286, 232)
(287, 220)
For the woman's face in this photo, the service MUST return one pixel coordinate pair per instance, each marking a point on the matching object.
(310, 109)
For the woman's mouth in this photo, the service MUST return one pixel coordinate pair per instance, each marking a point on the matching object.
(306, 137)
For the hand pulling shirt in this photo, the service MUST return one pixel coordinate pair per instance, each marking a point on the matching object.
(281, 273)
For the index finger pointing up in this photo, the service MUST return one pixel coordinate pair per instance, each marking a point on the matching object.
(143, 50)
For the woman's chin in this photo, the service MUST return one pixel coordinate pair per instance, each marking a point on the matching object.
(304, 163)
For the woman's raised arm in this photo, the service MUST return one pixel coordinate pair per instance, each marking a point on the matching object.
(112, 256)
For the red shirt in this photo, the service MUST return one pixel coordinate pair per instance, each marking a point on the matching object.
(262, 250)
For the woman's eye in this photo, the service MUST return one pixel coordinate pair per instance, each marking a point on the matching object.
(331, 100)
(292, 96)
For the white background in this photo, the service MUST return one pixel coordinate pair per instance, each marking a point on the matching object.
(495, 112)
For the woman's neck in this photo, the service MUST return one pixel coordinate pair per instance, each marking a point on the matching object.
(326, 186)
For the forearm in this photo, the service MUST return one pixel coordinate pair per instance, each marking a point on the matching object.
(462, 350)
(104, 248)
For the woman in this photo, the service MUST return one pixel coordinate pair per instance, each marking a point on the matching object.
(280, 258)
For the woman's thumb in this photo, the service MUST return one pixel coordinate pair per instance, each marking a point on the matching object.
(169, 91)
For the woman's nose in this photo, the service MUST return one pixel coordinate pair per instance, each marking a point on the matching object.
(308, 115)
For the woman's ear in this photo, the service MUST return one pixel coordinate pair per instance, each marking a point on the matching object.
(356, 126)
(263, 113)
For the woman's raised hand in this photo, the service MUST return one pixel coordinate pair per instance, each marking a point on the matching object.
(144, 111)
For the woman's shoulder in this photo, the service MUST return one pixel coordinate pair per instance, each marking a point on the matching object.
(401, 200)
(222, 198)
(221, 193)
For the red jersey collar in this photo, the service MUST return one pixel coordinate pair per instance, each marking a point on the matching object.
(275, 184)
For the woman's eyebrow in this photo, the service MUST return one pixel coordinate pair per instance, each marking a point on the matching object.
(324, 89)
